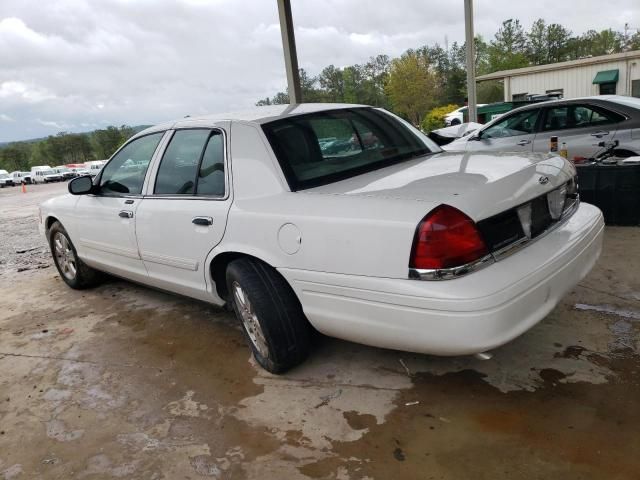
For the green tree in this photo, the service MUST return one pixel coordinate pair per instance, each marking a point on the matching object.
(490, 91)
(537, 49)
(331, 81)
(557, 41)
(411, 86)
(509, 47)
(14, 157)
(106, 141)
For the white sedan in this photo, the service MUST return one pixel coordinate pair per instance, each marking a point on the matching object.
(390, 242)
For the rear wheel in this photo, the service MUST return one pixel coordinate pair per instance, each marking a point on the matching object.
(73, 271)
(270, 314)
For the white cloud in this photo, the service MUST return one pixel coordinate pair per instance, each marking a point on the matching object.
(76, 63)
(6, 118)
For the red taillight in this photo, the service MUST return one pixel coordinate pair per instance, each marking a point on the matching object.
(446, 238)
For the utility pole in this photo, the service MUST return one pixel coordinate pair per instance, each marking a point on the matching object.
(290, 55)
(471, 61)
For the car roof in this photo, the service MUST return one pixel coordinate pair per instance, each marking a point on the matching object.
(257, 115)
(610, 98)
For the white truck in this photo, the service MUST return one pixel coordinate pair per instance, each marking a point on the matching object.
(94, 166)
(6, 180)
(20, 177)
(44, 174)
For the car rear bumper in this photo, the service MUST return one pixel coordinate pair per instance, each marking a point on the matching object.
(467, 315)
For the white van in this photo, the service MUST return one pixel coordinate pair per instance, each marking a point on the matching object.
(44, 174)
(94, 166)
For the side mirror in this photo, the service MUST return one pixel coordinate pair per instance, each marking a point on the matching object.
(475, 136)
(81, 185)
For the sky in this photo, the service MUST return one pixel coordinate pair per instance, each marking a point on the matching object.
(78, 65)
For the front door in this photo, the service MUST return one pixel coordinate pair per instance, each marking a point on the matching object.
(104, 223)
(514, 132)
(184, 212)
(581, 127)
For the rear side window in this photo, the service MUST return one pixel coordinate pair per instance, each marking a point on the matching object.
(323, 147)
(193, 164)
(578, 116)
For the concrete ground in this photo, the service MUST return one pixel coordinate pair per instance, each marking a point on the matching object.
(125, 382)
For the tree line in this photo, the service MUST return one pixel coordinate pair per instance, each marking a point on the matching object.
(64, 148)
(428, 77)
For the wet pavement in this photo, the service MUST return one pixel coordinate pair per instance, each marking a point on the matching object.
(126, 382)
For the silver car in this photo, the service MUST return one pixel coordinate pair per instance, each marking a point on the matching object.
(582, 123)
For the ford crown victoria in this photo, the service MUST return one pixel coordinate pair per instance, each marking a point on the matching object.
(386, 240)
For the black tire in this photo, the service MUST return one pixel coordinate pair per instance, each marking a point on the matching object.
(84, 276)
(455, 121)
(286, 333)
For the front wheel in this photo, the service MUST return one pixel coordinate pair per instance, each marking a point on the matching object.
(73, 271)
(270, 314)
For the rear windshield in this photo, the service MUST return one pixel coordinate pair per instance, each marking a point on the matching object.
(319, 148)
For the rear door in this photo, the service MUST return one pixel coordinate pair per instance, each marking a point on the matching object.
(184, 213)
(581, 126)
(514, 132)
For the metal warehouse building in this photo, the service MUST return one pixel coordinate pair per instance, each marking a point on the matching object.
(618, 73)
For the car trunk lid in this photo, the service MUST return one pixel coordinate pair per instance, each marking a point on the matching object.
(481, 185)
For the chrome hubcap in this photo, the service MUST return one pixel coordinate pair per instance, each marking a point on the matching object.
(250, 320)
(65, 258)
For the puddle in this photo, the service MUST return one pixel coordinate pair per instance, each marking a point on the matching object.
(462, 420)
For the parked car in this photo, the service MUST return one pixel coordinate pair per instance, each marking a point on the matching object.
(6, 180)
(399, 246)
(44, 174)
(457, 116)
(64, 172)
(94, 166)
(27, 177)
(584, 124)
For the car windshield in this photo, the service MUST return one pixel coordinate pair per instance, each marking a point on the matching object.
(62, 169)
(48, 172)
(4, 175)
(323, 147)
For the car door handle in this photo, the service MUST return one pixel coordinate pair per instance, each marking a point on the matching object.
(204, 221)
(126, 214)
(522, 143)
(599, 134)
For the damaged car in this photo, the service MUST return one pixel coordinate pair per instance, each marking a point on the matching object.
(391, 243)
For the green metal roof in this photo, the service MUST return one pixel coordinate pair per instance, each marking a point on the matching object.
(606, 76)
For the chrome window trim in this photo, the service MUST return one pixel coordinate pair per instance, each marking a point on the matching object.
(457, 272)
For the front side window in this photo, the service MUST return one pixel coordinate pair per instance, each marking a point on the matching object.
(323, 147)
(124, 174)
(521, 123)
(193, 164)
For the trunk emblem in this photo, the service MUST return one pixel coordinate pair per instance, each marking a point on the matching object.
(543, 180)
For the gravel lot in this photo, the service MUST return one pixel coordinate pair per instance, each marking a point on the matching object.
(21, 247)
(126, 382)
